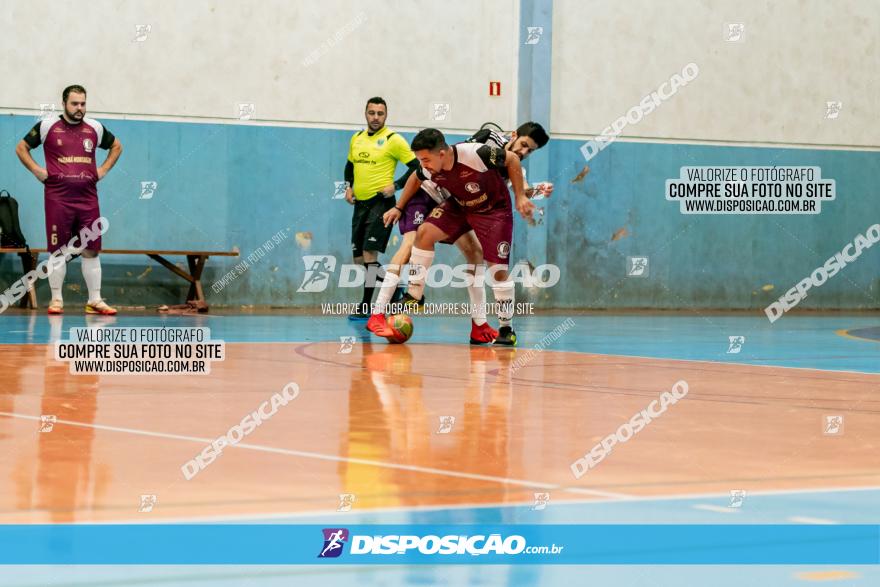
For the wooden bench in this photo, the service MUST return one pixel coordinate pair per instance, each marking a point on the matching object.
(195, 260)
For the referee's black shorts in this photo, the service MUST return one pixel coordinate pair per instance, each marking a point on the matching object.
(368, 231)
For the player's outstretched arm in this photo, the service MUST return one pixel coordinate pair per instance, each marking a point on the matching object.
(545, 188)
(400, 150)
(400, 182)
(514, 172)
(413, 183)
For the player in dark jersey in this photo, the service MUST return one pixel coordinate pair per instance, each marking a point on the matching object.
(525, 140)
(480, 202)
(70, 178)
(413, 208)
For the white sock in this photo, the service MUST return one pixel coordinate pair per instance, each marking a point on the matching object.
(56, 280)
(91, 270)
(389, 284)
(419, 262)
(503, 292)
(477, 293)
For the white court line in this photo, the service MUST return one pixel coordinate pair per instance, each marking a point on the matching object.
(705, 361)
(611, 497)
(806, 520)
(817, 370)
(726, 495)
(431, 508)
(354, 512)
(323, 457)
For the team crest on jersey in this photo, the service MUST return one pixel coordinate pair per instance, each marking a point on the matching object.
(380, 142)
(88, 145)
(472, 186)
(503, 249)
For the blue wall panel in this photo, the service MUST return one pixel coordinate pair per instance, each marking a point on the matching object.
(225, 186)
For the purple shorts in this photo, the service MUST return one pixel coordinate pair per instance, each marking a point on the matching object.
(416, 211)
(65, 218)
(494, 227)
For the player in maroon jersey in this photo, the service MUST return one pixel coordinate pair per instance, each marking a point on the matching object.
(415, 205)
(479, 201)
(70, 178)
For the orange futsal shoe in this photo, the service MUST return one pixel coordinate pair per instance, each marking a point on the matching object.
(56, 307)
(100, 307)
(482, 334)
(378, 325)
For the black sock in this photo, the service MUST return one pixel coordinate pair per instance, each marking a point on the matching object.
(367, 299)
(370, 279)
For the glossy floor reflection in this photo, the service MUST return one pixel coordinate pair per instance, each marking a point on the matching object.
(445, 432)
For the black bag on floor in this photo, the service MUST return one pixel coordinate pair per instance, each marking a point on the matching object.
(10, 229)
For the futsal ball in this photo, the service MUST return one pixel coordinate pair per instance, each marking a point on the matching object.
(401, 328)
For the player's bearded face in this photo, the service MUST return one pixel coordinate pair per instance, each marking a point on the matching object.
(75, 107)
(522, 147)
(432, 161)
(376, 115)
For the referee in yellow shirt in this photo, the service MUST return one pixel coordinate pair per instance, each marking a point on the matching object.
(373, 154)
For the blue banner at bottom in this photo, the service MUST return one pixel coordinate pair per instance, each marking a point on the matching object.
(250, 544)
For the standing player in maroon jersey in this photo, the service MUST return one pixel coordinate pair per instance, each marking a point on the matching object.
(71, 194)
(480, 202)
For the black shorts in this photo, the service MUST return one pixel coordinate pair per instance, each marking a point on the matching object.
(368, 231)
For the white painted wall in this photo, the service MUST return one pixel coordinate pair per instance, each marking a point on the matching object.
(771, 87)
(203, 57)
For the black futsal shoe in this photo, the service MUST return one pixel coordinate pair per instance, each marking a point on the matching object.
(410, 303)
(506, 336)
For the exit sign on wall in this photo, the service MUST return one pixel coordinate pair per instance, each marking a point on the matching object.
(494, 88)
